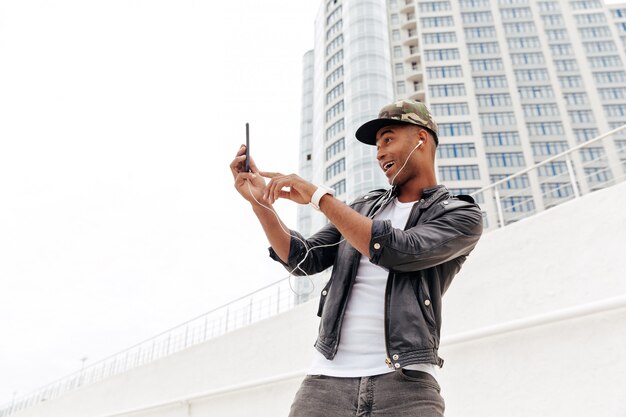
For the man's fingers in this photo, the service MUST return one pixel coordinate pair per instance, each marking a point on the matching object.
(271, 174)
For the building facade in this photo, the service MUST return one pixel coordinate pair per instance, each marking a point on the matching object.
(510, 82)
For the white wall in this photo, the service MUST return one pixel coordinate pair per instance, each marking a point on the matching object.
(527, 329)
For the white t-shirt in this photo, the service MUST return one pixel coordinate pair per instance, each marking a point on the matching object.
(361, 349)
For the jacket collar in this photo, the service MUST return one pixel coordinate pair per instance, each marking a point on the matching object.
(429, 195)
(433, 194)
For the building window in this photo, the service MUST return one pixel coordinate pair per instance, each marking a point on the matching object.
(584, 135)
(612, 93)
(552, 169)
(519, 27)
(483, 48)
(564, 65)
(605, 61)
(570, 81)
(399, 68)
(523, 42)
(395, 35)
(337, 147)
(441, 54)
(592, 154)
(334, 29)
(581, 116)
(453, 71)
(607, 77)
(552, 20)
(334, 111)
(583, 18)
(446, 90)
(561, 49)
(501, 139)
(556, 189)
(493, 81)
(615, 110)
(505, 159)
(336, 92)
(473, 4)
(334, 76)
(400, 87)
(531, 75)
(536, 110)
(556, 34)
(574, 99)
(436, 22)
(335, 128)
(334, 60)
(334, 44)
(335, 168)
(518, 204)
(515, 13)
(493, 64)
(536, 92)
(548, 6)
(459, 173)
(455, 129)
(585, 4)
(497, 119)
(397, 52)
(434, 6)
(594, 32)
(599, 46)
(439, 37)
(598, 175)
(476, 17)
(334, 16)
(339, 187)
(519, 182)
(480, 32)
(449, 109)
(493, 100)
(456, 150)
(545, 129)
(548, 148)
(527, 58)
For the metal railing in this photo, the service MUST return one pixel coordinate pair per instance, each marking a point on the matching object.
(266, 302)
(598, 163)
(575, 174)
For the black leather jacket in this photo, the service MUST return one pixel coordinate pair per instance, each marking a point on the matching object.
(422, 259)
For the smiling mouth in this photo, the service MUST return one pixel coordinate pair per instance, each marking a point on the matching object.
(388, 165)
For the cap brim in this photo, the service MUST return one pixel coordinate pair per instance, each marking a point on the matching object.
(367, 132)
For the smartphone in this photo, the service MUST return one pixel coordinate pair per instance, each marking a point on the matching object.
(247, 163)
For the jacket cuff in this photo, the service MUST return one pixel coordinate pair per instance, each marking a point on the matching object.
(296, 252)
(381, 233)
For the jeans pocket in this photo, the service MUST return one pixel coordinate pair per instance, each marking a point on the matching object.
(419, 377)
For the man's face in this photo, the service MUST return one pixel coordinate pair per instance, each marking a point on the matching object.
(394, 145)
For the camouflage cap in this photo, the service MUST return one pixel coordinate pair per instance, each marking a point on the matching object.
(401, 112)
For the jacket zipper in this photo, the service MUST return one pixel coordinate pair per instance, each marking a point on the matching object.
(412, 219)
(355, 265)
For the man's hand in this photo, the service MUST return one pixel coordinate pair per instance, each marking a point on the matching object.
(300, 191)
(245, 182)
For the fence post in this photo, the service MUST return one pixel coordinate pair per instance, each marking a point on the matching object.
(572, 177)
(499, 206)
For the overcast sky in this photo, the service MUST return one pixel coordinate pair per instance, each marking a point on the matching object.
(118, 120)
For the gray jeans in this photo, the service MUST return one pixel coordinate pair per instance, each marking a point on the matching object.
(398, 394)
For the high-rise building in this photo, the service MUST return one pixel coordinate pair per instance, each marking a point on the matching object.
(510, 83)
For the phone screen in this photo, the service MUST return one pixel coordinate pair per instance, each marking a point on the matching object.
(247, 163)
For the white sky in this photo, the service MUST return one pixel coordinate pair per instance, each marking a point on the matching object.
(118, 120)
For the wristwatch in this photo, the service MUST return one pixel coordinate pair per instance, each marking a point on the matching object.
(318, 194)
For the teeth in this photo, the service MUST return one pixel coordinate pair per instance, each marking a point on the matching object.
(388, 165)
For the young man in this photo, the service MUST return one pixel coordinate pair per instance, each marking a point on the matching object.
(394, 254)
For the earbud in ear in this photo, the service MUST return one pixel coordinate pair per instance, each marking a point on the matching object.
(420, 142)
